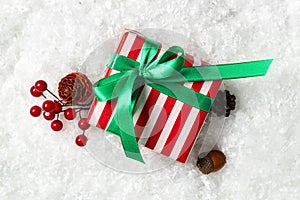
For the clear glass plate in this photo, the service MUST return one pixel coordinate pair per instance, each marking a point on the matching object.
(106, 148)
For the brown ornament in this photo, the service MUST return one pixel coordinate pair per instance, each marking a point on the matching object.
(75, 88)
(212, 162)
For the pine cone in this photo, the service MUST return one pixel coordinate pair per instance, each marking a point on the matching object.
(75, 88)
(224, 103)
(230, 103)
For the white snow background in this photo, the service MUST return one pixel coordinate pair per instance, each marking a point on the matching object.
(47, 39)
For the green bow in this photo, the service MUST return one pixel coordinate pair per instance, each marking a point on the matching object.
(163, 74)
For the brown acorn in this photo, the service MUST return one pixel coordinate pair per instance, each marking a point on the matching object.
(212, 162)
(75, 88)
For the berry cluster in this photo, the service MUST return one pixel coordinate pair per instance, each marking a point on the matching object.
(52, 109)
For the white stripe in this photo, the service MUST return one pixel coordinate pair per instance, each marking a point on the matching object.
(128, 44)
(110, 119)
(170, 123)
(113, 72)
(162, 50)
(92, 118)
(184, 133)
(157, 107)
(140, 54)
(127, 47)
(99, 107)
(97, 113)
(188, 124)
(141, 103)
(205, 87)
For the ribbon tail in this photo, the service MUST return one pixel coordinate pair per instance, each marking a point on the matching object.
(236, 70)
(221, 71)
(123, 119)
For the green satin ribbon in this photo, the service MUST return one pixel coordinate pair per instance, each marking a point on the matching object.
(163, 73)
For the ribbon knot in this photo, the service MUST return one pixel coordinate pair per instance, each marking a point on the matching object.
(163, 73)
(142, 72)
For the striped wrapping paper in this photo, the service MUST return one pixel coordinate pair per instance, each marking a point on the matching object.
(161, 123)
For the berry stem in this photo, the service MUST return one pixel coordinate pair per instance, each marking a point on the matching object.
(82, 108)
(87, 104)
(55, 96)
(78, 111)
(44, 96)
(80, 105)
(65, 104)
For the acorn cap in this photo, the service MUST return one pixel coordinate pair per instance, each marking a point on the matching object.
(205, 165)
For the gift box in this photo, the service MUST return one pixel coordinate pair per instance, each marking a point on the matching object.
(161, 123)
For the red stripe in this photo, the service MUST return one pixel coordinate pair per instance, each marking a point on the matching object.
(110, 105)
(118, 50)
(214, 88)
(203, 63)
(146, 111)
(158, 52)
(121, 43)
(189, 60)
(179, 123)
(107, 73)
(189, 143)
(138, 96)
(106, 113)
(161, 121)
(136, 47)
(176, 129)
(164, 115)
(92, 108)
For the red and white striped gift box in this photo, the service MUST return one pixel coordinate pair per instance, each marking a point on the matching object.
(162, 123)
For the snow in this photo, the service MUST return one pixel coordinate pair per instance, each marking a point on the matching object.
(48, 39)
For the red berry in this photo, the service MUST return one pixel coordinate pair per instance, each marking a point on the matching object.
(49, 115)
(48, 105)
(35, 111)
(81, 140)
(57, 107)
(83, 124)
(34, 92)
(56, 125)
(70, 114)
(41, 85)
